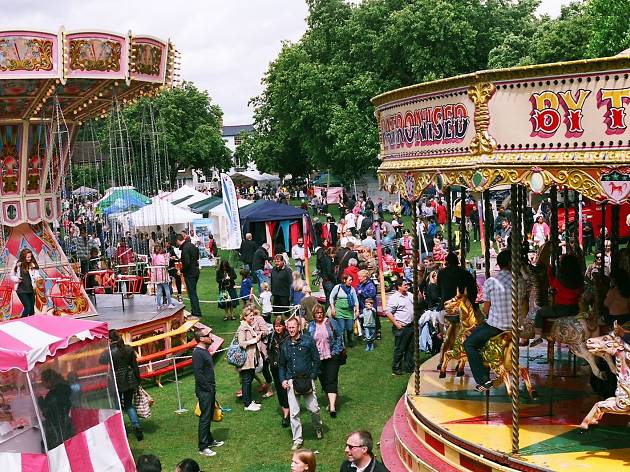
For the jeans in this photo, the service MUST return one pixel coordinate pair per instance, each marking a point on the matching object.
(28, 302)
(299, 267)
(206, 405)
(191, 285)
(473, 344)
(368, 334)
(403, 349)
(247, 377)
(126, 402)
(166, 288)
(260, 277)
(346, 325)
(310, 402)
(554, 311)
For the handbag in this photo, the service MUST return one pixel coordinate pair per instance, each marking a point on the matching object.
(142, 401)
(302, 385)
(217, 414)
(236, 355)
(223, 299)
(343, 357)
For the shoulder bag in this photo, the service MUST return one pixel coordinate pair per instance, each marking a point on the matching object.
(236, 355)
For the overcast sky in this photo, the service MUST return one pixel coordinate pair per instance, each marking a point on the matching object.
(226, 46)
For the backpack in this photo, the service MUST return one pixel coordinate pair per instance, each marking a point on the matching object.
(236, 355)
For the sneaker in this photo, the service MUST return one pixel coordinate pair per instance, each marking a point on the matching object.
(208, 452)
(484, 387)
(252, 407)
(171, 305)
(216, 444)
(536, 342)
(319, 433)
(296, 445)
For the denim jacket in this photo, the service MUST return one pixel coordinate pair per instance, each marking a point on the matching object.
(299, 358)
(335, 335)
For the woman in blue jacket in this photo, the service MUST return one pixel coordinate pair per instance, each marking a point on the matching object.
(328, 338)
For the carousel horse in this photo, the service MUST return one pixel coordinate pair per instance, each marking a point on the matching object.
(573, 331)
(611, 345)
(496, 353)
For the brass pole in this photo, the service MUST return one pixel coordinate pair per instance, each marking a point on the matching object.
(462, 227)
(487, 222)
(614, 237)
(514, 378)
(565, 203)
(553, 194)
(449, 223)
(416, 295)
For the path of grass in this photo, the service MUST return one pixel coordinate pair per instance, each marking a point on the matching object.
(255, 442)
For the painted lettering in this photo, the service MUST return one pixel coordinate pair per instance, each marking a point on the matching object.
(545, 115)
(615, 101)
(573, 107)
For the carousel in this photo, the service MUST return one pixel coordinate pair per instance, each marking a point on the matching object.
(552, 131)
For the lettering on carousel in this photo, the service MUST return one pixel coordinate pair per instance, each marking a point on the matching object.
(442, 124)
(550, 109)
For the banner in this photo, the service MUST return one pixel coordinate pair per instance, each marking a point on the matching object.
(230, 205)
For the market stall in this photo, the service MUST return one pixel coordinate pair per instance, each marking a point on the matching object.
(59, 408)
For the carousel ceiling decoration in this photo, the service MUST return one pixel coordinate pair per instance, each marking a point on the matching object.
(565, 123)
(84, 69)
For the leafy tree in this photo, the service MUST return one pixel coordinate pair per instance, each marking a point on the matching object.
(611, 27)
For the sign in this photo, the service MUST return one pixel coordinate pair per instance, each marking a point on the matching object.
(562, 113)
(203, 229)
(230, 204)
(427, 123)
(616, 184)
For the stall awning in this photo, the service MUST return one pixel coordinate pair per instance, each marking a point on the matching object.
(27, 341)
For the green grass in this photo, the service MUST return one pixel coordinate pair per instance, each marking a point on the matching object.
(255, 441)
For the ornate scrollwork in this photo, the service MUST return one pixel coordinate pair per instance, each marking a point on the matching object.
(480, 95)
(38, 54)
(95, 54)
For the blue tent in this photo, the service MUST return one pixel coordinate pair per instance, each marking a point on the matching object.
(263, 211)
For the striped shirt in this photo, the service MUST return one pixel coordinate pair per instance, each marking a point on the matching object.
(498, 291)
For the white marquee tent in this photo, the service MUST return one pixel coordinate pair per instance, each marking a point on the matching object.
(162, 213)
(219, 222)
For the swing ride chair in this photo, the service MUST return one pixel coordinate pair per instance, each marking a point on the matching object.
(544, 130)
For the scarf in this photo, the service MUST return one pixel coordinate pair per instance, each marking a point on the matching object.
(348, 291)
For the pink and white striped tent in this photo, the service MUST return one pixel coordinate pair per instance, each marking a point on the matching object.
(99, 442)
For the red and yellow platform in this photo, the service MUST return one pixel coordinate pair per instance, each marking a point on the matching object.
(451, 427)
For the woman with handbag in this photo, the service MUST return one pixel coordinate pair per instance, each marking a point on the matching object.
(25, 275)
(344, 306)
(228, 300)
(329, 341)
(278, 336)
(127, 378)
(248, 339)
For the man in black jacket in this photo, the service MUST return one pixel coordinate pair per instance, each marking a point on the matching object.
(205, 390)
(190, 270)
(454, 277)
(248, 248)
(261, 255)
(281, 280)
(298, 364)
(359, 453)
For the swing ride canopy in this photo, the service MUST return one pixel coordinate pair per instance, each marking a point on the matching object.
(564, 123)
(52, 82)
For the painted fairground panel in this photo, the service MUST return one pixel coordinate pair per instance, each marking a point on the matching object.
(426, 125)
(58, 291)
(36, 156)
(584, 112)
(10, 173)
(96, 55)
(28, 54)
(148, 59)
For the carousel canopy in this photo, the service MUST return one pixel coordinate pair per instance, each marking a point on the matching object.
(30, 340)
(564, 124)
(161, 213)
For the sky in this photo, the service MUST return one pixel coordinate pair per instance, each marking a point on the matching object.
(226, 46)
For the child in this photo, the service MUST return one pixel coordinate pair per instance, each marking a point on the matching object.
(296, 294)
(369, 324)
(265, 302)
(408, 270)
(247, 287)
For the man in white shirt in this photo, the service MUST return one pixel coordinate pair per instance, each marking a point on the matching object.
(348, 238)
(369, 243)
(298, 253)
(400, 313)
(351, 221)
(497, 306)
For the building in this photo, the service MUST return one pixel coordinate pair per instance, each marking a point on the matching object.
(232, 138)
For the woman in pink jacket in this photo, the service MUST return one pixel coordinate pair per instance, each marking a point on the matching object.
(159, 276)
(540, 231)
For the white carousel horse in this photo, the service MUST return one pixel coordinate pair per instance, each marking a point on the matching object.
(611, 345)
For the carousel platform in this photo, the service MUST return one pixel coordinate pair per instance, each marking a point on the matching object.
(451, 427)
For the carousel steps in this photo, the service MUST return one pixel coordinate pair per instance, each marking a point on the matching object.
(389, 454)
(413, 453)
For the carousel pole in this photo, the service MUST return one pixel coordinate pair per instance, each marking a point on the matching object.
(614, 237)
(516, 252)
(523, 202)
(553, 194)
(602, 230)
(487, 211)
(565, 203)
(449, 222)
(578, 219)
(462, 227)
(416, 295)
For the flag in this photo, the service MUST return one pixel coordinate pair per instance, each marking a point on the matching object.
(230, 204)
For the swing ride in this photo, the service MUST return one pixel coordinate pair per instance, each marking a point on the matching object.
(551, 128)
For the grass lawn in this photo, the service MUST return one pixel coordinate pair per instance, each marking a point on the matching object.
(256, 442)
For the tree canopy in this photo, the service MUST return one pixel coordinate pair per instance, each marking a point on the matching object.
(315, 111)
